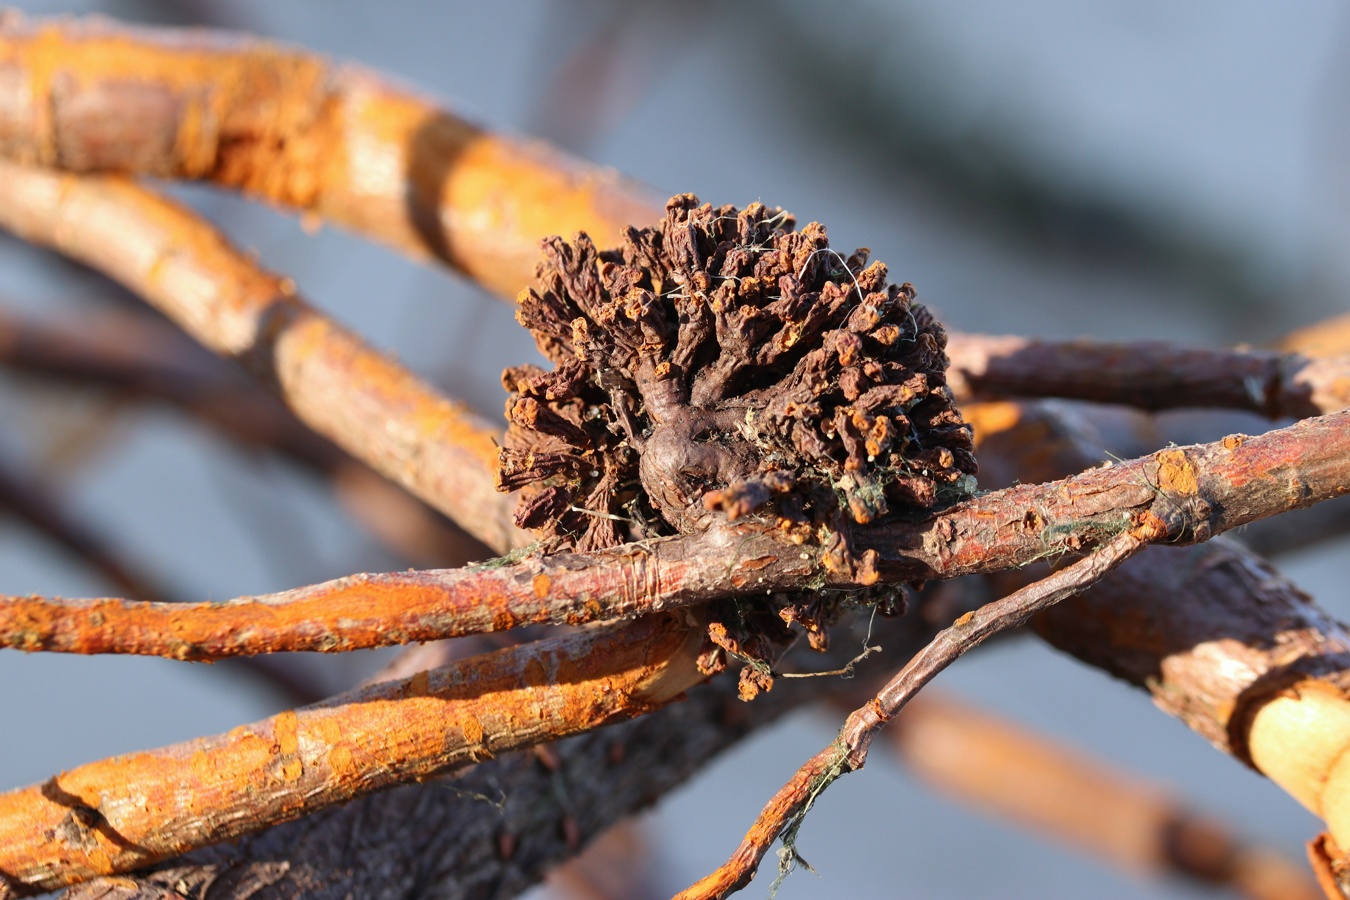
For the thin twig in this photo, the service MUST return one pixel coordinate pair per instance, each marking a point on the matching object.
(848, 752)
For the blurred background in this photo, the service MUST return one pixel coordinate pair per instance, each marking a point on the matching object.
(1140, 169)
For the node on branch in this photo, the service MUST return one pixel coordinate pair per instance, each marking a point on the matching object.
(722, 364)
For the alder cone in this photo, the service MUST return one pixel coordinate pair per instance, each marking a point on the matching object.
(723, 364)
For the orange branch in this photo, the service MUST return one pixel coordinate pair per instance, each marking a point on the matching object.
(130, 811)
(293, 129)
(340, 387)
(363, 611)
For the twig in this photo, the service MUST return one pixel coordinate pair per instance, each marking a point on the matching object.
(1150, 375)
(130, 811)
(360, 399)
(291, 128)
(362, 611)
(848, 752)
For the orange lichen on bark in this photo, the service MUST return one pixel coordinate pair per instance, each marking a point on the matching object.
(339, 386)
(132, 810)
(296, 130)
(1176, 474)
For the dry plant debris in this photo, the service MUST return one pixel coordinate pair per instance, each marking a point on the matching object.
(722, 363)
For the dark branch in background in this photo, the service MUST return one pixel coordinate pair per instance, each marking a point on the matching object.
(139, 358)
(878, 80)
(1151, 375)
(335, 383)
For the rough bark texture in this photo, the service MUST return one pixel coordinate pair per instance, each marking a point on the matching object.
(130, 811)
(495, 830)
(1150, 375)
(1182, 494)
(52, 85)
(360, 399)
(291, 128)
(1164, 618)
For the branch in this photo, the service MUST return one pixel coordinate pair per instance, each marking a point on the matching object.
(290, 128)
(1330, 337)
(1149, 375)
(358, 398)
(127, 812)
(151, 361)
(1186, 494)
(495, 830)
(362, 611)
(848, 752)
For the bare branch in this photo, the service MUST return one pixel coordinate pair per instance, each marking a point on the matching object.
(1183, 494)
(362, 611)
(291, 128)
(130, 811)
(1150, 375)
(493, 831)
(360, 399)
(150, 361)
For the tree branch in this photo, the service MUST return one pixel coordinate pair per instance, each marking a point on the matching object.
(130, 811)
(1149, 375)
(1035, 783)
(496, 829)
(290, 128)
(358, 398)
(848, 752)
(150, 361)
(1184, 494)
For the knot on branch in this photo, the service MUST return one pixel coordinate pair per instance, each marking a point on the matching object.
(723, 364)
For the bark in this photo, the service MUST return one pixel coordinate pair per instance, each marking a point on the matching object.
(1180, 495)
(130, 811)
(495, 830)
(75, 125)
(141, 359)
(358, 398)
(1151, 375)
(288, 127)
(1034, 783)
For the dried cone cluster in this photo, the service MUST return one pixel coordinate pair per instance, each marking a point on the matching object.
(723, 364)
